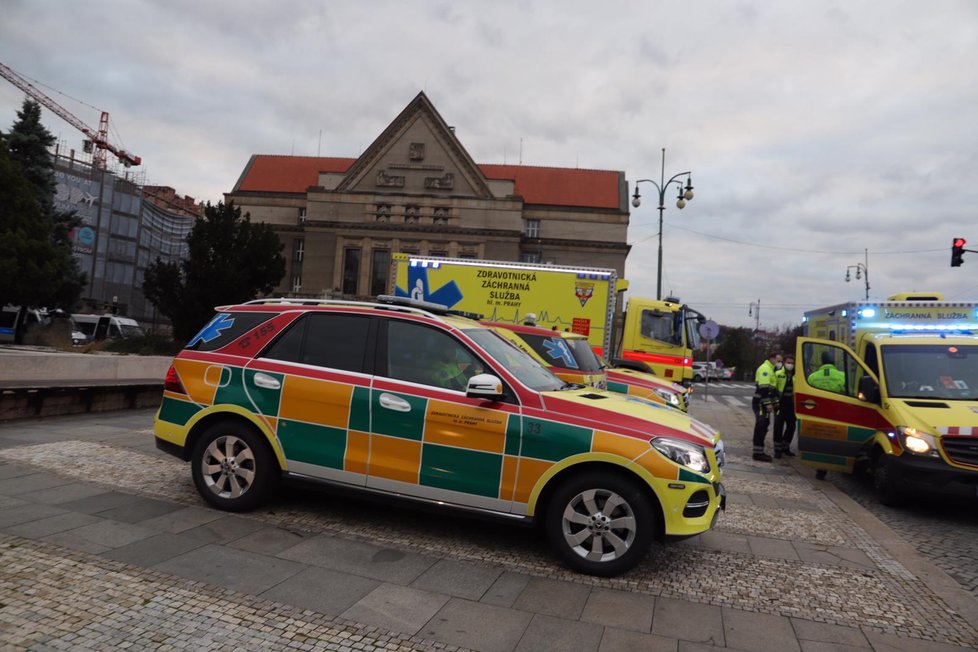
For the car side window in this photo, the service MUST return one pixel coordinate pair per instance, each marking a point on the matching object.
(420, 354)
(324, 340)
(831, 369)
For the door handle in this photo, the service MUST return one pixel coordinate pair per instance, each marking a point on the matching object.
(395, 403)
(809, 404)
(267, 382)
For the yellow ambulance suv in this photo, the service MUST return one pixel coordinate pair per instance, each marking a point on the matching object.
(403, 399)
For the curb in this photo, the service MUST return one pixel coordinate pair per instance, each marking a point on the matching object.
(942, 584)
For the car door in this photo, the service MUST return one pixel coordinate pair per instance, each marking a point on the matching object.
(427, 438)
(834, 424)
(319, 369)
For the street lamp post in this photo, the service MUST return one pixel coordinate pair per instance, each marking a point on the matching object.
(862, 269)
(685, 194)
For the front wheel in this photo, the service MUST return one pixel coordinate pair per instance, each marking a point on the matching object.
(884, 484)
(232, 466)
(600, 523)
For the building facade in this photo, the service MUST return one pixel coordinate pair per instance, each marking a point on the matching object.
(417, 190)
(122, 231)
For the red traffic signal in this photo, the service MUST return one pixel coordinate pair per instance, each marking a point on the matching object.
(957, 251)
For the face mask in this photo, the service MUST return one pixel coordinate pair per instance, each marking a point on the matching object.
(789, 366)
(777, 365)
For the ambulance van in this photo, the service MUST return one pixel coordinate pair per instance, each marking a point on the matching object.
(892, 386)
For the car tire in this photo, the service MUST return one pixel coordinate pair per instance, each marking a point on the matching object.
(233, 466)
(590, 541)
(697, 378)
(884, 484)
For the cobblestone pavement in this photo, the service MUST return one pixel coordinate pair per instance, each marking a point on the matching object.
(782, 548)
(944, 530)
(59, 600)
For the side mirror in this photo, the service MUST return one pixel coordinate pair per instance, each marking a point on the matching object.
(485, 386)
(869, 391)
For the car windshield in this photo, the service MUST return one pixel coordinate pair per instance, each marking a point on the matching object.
(517, 362)
(943, 371)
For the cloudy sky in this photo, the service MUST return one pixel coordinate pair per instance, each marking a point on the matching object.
(815, 130)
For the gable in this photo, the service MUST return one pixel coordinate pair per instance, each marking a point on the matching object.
(418, 153)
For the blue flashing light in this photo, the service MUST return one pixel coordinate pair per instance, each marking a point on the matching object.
(962, 328)
(845, 313)
(804, 319)
(867, 313)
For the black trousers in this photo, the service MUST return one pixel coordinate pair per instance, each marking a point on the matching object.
(784, 427)
(762, 419)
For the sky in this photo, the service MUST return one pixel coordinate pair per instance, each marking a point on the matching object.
(823, 136)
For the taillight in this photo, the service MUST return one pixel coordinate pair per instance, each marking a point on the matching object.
(172, 382)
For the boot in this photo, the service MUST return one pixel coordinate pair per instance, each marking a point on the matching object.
(762, 457)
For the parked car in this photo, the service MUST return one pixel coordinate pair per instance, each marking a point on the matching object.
(570, 357)
(412, 403)
(87, 328)
(704, 372)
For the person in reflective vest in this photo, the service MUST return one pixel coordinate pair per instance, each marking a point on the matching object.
(784, 420)
(828, 377)
(764, 402)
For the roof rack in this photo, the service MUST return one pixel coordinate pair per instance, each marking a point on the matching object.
(384, 301)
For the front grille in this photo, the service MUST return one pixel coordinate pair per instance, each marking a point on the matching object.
(697, 504)
(963, 450)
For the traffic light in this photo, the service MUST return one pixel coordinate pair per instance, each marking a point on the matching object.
(957, 251)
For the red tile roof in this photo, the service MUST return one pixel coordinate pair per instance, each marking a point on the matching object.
(537, 185)
(268, 173)
(560, 186)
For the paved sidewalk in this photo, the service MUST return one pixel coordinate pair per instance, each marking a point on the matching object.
(104, 543)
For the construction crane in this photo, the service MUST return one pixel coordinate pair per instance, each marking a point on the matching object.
(97, 142)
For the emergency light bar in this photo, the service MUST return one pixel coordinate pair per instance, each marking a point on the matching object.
(964, 329)
(582, 272)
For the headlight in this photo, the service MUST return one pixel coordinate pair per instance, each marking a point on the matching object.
(669, 397)
(682, 452)
(918, 442)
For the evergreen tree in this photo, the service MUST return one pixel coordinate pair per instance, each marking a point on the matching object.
(29, 259)
(29, 143)
(230, 260)
(51, 271)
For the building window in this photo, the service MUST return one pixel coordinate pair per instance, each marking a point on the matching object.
(299, 247)
(380, 267)
(296, 283)
(351, 270)
(411, 249)
(302, 215)
(531, 257)
(531, 228)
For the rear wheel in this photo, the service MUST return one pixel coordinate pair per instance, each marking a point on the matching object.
(884, 482)
(600, 523)
(232, 466)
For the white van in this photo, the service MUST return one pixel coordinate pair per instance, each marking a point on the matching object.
(87, 328)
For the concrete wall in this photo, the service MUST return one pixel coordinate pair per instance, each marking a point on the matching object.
(25, 368)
